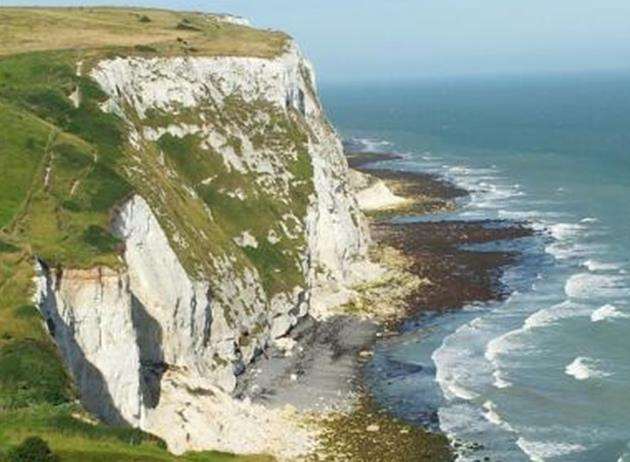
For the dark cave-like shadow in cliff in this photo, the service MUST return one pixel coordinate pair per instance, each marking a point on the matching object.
(95, 395)
(152, 365)
(93, 390)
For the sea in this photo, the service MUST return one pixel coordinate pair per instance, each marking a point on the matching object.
(545, 374)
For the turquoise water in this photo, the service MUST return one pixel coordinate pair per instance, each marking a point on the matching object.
(544, 375)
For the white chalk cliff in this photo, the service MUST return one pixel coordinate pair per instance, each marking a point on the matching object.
(158, 342)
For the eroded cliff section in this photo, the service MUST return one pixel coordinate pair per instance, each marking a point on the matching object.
(241, 223)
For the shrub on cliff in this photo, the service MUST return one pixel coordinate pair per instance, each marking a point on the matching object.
(32, 449)
(30, 373)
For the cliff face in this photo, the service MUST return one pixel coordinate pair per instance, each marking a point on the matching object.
(239, 222)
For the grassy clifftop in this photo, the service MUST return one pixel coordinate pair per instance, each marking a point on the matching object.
(35, 29)
(65, 166)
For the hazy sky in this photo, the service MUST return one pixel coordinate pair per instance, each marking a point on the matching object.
(368, 39)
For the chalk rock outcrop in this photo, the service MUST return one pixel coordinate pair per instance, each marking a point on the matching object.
(242, 221)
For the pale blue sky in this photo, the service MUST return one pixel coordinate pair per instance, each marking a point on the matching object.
(361, 39)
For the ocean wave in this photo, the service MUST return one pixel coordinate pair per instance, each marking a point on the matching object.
(459, 169)
(607, 312)
(500, 381)
(564, 231)
(501, 345)
(429, 157)
(524, 215)
(583, 368)
(567, 249)
(461, 418)
(589, 220)
(549, 316)
(493, 416)
(588, 286)
(449, 373)
(566, 245)
(542, 318)
(539, 451)
(594, 265)
(368, 144)
(502, 192)
(561, 251)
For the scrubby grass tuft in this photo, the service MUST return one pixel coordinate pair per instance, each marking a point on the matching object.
(32, 449)
(31, 373)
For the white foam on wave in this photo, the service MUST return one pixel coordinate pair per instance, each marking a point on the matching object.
(594, 265)
(607, 312)
(499, 381)
(501, 345)
(566, 245)
(541, 318)
(564, 231)
(571, 249)
(550, 316)
(371, 144)
(560, 251)
(583, 368)
(588, 286)
(589, 220)
(428, 157)
(492, 416)
(525, 215)
(493, 196)
(449, 373)
(539, 451)
(459, 169)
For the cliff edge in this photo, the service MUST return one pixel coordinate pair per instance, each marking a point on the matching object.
(174, 202)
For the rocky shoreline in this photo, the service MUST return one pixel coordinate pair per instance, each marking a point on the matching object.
(442, 254)
(318, 370)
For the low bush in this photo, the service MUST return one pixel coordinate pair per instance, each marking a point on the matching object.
(100, 239)
(31, 373)
(32, 449)
(145, 49)
(186, 25)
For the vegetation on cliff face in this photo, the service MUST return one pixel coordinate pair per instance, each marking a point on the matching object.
(65, 165)
(61, 161)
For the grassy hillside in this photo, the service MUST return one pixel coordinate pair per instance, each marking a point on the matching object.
(63, 168)
(35, 29)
